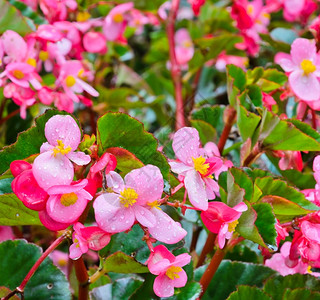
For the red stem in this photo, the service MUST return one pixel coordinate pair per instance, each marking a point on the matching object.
(175, 68)
(314, 119)
(21, 287)
(9, 116)
(83, 278)
(208, 247)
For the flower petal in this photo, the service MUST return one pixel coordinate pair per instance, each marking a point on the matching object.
(79, 158)
(163, 286)
(302, 49)
(115, 181)
(144, 216)
(305, 87)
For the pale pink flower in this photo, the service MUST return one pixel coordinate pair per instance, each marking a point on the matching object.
(57, 10)
(85, 238)
(221, 219)
(95, 42)
(14, 46)
(136, 198)
(60, 259)
(194, 169)
(183, 46)
(115, 22)
(224, 59)
(6, 233)
(53, 166)
(137, 20)
(168, 269)
(304, 67)
(49, 33)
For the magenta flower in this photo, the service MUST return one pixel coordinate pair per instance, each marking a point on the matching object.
(183, 46)
(222, 219)
(53, 167)
(115, 22)
(304, 67)
(169, 270)
(195, 169)
(85, 238)
(66, 203)
(136, 198)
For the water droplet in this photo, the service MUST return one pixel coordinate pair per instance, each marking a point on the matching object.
(17, 215)
(50, 286)
(142, 213)
(113, 227)
(57, 130)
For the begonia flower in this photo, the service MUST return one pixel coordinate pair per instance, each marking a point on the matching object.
(95, 42)
(135, 198)
(221, 219)
(194, 168)
(183, 46)
(85, 238)
(168, 269)
(6, 233)
(196, 5)
(304, 67)
(53, 166)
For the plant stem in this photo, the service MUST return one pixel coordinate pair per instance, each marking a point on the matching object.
(211, 270)
(175, 68)
(255, 153)
(230, 114)
(97, 275)
(83, 279)
(20, 288)
(9, 116)
(208, 247)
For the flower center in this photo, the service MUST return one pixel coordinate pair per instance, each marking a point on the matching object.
(43, 55)
(62, 262)
(128, 197)
(307, 67)
(187, 44)
(200, 166)
(61, 149)
(83, 16)
(173, 271)
(118, 18)
(155, 204)
(68, 199)
(250, 9)
(18, 74)
(32, 62)
(232, 226)
(70, 81)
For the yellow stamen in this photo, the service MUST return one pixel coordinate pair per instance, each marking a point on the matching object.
(187, 44)
(68, 199)
(250, 9)
(70, 81)
(62, 262)
(83, 16)
(18, 74)
(128, 197)
(60, 148)
(309, 270)
(43, 55)
(173, 271)
(200, 166)
(32, 62)
(80, 74)
(232, 226)
(155, 204)
(307, 67)
(118, 18)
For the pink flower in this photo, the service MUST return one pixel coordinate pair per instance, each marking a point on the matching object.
(53, 166)
(14, 46)
(6, 233)
(60, 259)
(115, 22)
(183, 46)
(136, 198)
(85, 238)
(196, 5)
(304, 67)
(95, 42)
(194, 168)
(169, 270)
(66, 203)
(222, 219)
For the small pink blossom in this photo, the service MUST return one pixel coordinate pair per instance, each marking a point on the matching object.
(222, 219)
(303, 66)
(6, 233)
(183, 46)
(168, 269)
(194, 168)
(85, 238)
(95, 42)
(196, 5)
(60, 259)
(53, 166)
(136, 198)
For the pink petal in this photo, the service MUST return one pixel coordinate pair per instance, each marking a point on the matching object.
(64, 189)
(305, 87)
(179, 168)
(49, 170)
(14, 45)
(222, 236)
(241, 207)
(147, 182)
(182, 260)
(196, 190)
(115, 181)
(160, 252)
(97, 238)
(285, 61)
(211, 149)
(166, 229)
(212, 188)
(45, 147)
(88, 88)
(159, 267)
(186, 144)
(94, 42)
(112, 30)
(182, 280)
(79, 158)
(63, 128)
(75, 251)
(302, 49)
(163, 286)
(144, 216)
(48, 222)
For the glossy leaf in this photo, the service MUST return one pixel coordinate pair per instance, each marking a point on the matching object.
(247, 123)
(190, 291)
(247, 292)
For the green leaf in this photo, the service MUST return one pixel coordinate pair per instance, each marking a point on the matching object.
(277, 134)
(206, 132)
(5, 186)
(28, 142)
(121, 130)
(255, 94)
(247, 122)
(265, 223)
(120, 262)
(120, 289)
(300, 294)
(190, 291)
(5, 291)
(212, 115)
(13, 212)
(231, 274)
(238, 76)
(11, 18)
(276, 287)
(254, 75)
(17, 258)
(242, 253)
(247, 292)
